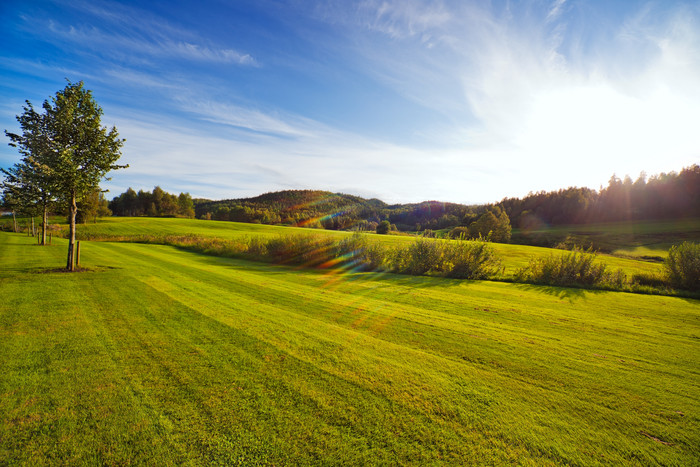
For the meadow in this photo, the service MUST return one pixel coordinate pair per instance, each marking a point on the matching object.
(155, 355)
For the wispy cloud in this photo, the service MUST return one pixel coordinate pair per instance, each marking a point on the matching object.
(194, 51)
(555, 10)
(107, 28)
(237, 116)
(102, 41)
(400, 19)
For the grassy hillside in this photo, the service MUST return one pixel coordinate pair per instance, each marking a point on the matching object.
(161, 356)
(514, 256)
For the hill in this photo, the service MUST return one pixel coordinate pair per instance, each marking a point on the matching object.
(334, 211)
(304, 208)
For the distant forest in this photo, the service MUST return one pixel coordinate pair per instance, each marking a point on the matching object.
(663, 196)
(157, 203)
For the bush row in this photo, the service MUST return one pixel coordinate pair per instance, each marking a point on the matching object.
(461, 259)
(456, 259)
(681, 271)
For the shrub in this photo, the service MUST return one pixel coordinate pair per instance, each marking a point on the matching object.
(651, 280)
(456, 259)
(359, 254)
(574, 268)
(616, 280)
(384, 227)
(470, 260)
(256, 248)
(682, 266)
(416, 259)
(459, 232)
(300, 249)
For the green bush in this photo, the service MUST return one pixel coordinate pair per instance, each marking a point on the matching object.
(470, 260)
(456, 259)
(359, 254)
(419, 258)
(576, 267)
(459, 233)
(256, 248)
(650, 280)
(384, 227)
(305, 250)
(682, 266)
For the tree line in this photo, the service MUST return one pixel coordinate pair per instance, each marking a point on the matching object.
(65, 153)
(674, 195)
(156, 203)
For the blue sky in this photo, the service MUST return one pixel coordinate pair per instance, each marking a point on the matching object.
(463, 101)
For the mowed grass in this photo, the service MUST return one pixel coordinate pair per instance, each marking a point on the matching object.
(160, 356)
(513, 256)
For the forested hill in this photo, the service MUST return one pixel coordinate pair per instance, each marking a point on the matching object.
(664, 196)
(308, 208)
(335, 211)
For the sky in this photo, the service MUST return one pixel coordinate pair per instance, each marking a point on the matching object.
(403, 100)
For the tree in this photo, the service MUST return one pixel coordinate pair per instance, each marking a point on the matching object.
(27, 184)
(383, 227)
(494, 223)
(87, 207)
(682, 266)
(92, 206)
(19, 194)
(185, 205)
(68, 146)
(484, 226)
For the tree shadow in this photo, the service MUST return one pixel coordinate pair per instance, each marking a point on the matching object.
(571, 294)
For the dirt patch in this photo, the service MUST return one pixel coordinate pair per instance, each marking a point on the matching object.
(64, 270)
(654, 438)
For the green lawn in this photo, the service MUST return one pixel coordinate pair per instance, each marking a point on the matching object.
(161, 356)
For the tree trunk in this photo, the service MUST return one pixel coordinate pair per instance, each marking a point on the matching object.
(14, 222)
(71, 239)
(33, 227)
(44, 222)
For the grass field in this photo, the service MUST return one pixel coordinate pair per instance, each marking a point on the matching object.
(161, 356)
(635, 239)
(513, 256)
